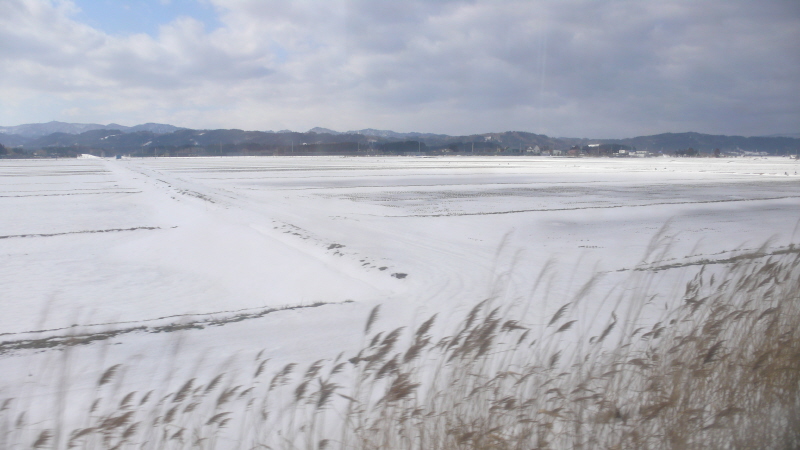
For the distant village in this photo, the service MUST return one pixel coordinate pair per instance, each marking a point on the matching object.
(624, 151)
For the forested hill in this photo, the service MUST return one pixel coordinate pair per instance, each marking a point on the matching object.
(157, 139)
(669, 142)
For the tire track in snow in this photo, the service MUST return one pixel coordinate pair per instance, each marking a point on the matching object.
(705, 261)
(72, 339)
(111, 230)
(600, 207)
(73, 193)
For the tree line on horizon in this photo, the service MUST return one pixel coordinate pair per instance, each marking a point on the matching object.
(187, 142)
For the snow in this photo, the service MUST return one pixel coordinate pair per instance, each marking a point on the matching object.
(98, 244)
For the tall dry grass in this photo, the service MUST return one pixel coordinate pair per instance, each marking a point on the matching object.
(720, 370)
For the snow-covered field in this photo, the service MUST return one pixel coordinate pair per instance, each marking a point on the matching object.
(130, 249)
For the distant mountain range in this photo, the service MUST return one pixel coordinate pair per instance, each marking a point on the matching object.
(142, 139)
(381, 133)
(789, 135)
(34, 130)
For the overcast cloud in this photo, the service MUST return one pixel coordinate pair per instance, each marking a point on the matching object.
(563, 68)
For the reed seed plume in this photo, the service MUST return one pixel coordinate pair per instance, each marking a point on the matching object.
(214, 383)
(559, 313)
(566, 326)
(183, 391)
(108, 375)
(260, 368)
(373, 316)
(43, 439)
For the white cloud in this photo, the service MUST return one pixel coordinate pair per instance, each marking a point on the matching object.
(579, 68)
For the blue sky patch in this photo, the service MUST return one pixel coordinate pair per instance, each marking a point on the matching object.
(126, 17)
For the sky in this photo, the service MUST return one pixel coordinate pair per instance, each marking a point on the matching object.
(568, 68)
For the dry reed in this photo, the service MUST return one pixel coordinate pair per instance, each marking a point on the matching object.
(721, 370)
